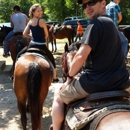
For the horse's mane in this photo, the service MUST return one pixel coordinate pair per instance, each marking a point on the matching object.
(48, 25)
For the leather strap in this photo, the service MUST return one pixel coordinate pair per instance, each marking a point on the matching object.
(108, 94)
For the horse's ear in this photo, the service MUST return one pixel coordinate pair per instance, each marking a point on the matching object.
(66, 48)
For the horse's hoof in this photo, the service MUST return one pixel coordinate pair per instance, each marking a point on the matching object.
(51, 127)
(55, 80)
(5, 55)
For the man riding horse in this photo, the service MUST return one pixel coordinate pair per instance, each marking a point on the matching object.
(18, 23)
(105, 68)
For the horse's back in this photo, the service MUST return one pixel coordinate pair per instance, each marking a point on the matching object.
(17, 38)
(115, 121)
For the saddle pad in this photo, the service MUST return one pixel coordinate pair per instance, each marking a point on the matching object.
(77, 120)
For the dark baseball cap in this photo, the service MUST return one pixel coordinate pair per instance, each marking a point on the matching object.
(80, 1)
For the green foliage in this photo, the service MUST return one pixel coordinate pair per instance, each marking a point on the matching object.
(55, 10)
(125, 7)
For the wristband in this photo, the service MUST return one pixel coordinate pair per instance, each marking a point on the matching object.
(71, 77)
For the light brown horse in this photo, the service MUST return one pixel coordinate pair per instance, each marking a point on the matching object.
(115, 120)
(32, 78)
(60, 33)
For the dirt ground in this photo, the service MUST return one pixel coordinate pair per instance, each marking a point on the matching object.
(9, 115)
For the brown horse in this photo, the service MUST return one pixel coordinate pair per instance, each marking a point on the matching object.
(60, 33)
(15, 45)
(32, 78)
(3, 33)
(116, 119)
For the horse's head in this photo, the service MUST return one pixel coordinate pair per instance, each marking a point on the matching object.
(66, 60)
(3, 32)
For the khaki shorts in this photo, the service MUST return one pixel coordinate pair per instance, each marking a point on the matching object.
(128, 89)
(72, 92)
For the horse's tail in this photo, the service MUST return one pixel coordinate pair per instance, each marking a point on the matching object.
(19, 46)
(34, 87)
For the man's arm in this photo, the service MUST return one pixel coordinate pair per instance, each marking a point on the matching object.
(79, 59)
(119, 18)
(77, 62)
(11, 22)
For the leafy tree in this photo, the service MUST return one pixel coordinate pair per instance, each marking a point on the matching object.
(55, 10)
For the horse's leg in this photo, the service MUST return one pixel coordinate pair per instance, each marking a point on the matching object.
(12, 71)
(47, 43)
(69, 39)
(115, 121)
(22, 110)
(52, 45)
(55, 45)
(72, 37)
(27, 107)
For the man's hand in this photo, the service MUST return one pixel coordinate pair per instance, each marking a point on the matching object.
(68, 81)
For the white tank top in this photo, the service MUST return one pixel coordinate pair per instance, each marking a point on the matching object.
(19, 20)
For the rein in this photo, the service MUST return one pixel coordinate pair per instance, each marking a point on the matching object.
(67, 58)
(64, 64)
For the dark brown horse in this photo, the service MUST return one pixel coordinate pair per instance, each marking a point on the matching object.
(32, 78)
(116, 119)
(15, 45)
(60, 33)
(3, 32)
(126, 32)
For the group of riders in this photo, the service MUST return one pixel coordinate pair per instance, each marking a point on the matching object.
(103, 50)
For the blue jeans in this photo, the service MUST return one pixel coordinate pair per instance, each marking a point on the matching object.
(9, 35)
(124, 42)
(78, 36)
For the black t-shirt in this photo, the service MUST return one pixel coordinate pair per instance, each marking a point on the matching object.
(105, 68)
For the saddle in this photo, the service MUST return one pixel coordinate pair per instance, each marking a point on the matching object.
(36, 50)
(56, 29)
(82, 112)
(18, 33)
